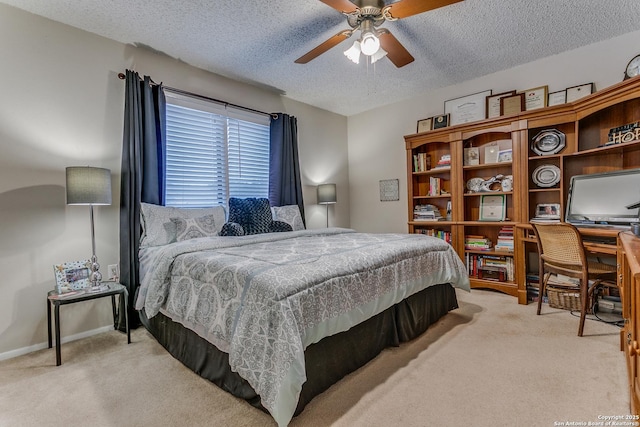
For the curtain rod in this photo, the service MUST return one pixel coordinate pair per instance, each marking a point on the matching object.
(122, 76)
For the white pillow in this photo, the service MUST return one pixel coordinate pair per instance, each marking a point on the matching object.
(193, 228)
(157, 228)
(289, 214)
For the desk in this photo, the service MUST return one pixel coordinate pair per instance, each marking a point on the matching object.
(598, 241)
(56, 299)
(629, 283)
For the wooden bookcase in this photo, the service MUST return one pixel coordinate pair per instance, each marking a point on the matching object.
(585, 124)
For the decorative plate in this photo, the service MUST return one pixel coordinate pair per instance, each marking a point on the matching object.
(548, 142)
(546, 175)
(473, 185)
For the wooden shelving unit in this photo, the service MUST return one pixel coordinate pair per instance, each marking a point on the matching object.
(585, 124)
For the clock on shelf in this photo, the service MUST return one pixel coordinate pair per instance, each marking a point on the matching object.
(633, 68)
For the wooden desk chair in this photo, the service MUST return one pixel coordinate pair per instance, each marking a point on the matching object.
(561, 251)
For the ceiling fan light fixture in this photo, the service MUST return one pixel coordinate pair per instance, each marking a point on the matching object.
(353, 53)
(369, 44)
(381, 53)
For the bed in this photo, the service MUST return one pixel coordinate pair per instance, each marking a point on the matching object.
(276, 318)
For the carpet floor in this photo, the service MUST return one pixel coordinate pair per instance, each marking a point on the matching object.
(489, 363)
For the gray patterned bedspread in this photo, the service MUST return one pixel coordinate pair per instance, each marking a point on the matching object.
(264, 298)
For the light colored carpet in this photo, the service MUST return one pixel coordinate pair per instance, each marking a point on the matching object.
(489, 363)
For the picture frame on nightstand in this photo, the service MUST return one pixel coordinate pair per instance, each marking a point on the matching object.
(72, 276)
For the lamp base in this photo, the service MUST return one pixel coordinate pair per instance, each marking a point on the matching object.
(96, 277)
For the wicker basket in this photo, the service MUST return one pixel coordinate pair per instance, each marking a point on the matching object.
(566, 298)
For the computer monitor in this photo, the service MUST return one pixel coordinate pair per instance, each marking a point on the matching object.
(610, 198)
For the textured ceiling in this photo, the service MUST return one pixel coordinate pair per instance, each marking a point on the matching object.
(258, 41)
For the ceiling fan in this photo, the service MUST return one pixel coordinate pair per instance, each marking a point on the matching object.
(367, 16)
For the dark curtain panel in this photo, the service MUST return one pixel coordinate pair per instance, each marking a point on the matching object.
(142, 173)
(285, 186)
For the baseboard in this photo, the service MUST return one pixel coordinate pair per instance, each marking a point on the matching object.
(26, 350)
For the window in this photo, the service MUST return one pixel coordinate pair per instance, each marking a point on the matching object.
(214, 152)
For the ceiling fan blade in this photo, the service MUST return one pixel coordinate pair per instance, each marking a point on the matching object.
(343, 6)
(322, 48)
(395, 51)
(404, 8)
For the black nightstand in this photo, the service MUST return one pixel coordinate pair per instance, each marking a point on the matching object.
(61, 299)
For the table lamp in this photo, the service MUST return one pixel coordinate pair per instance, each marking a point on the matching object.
(327, 196)
(89, 186)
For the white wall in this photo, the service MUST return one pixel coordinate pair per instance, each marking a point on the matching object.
(376, 144)
(62, 105)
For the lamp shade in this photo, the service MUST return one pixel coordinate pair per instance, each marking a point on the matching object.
(326, 194)
(88, 186)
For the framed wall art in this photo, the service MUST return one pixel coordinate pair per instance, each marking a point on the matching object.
(493, 207)
(512, 104)
(424, 125)
(468, 108)
(72, 276)
(389, 190)
(535, 98)
(576, 92)
(557, 98)
(441, 121)
(493, 103)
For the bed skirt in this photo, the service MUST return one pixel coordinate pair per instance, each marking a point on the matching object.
(328, 360)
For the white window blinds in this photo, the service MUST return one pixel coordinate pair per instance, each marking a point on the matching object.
(214, 152)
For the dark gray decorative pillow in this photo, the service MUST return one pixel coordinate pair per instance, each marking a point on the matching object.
(192, 228)
(253, 214)
(232, 229)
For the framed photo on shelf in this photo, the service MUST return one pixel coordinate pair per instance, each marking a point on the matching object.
(441, 121)
(72, 276)
(471, 156)
(493, 207)
(493, 103)
(535, 98)
(505, 155)
(512, 104)
(548, 210)
(576, 92)
(557, 98)
(424, 125)
(468, 108)
(491, 153)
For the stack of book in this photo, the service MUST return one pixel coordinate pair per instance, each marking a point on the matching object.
(427, 213)
(445, 161)
(505, 239)
(477, 243)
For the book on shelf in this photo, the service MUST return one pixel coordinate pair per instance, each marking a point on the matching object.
(421, 162)
(540, 219)
(440, 234)
(435, 184)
